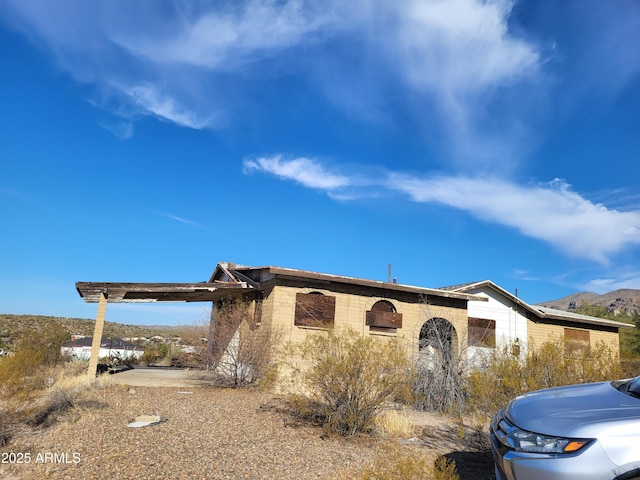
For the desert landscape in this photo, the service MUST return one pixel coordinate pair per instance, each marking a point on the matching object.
(210, 432)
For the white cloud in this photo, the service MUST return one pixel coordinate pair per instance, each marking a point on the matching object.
(551, 212)
(304, 171)
(460, 55)
(180, 61)
(230, 36)
(457, 48)
(154, 101)
(605, 285)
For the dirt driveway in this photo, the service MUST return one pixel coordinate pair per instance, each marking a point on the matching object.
(158, 377)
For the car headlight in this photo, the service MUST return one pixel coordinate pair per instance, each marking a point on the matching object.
(524, 441)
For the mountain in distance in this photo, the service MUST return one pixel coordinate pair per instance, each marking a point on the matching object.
(623, 301)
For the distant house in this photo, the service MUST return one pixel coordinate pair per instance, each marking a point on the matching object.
(505, 319)
(80, 348)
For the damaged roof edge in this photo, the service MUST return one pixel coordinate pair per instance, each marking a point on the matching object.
(325, 277)
(159, 292)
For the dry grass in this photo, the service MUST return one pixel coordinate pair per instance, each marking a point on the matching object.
(393, 424)
(394, 462)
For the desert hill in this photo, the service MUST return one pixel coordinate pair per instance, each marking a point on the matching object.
(623, 301)
(12, 326)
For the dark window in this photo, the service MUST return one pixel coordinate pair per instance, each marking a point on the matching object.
(576, 340)
(383, 317)
(482, 332)
(314, 310)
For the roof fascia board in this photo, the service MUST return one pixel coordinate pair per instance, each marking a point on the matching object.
(328, 278)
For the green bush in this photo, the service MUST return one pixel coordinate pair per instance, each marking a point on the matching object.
(346, 378)
(155, 353)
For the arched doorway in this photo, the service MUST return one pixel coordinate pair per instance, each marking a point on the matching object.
(438, 382)
(437, 343)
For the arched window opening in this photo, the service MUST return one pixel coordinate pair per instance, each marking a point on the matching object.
(383, 318)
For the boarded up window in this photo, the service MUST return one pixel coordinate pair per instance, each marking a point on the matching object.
(482, 332)
(382, 316)
(314, 310)
(576, 340)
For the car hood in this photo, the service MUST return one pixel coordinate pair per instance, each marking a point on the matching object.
(574, 411)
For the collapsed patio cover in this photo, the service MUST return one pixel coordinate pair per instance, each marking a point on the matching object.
(231, 285)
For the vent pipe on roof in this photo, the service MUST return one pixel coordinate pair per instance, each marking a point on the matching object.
(389, 273)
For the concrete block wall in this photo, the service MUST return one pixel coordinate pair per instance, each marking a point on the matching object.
(350, 313)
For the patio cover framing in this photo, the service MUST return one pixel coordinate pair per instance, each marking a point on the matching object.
(112, 292)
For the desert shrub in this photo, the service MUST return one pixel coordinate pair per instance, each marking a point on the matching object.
(155, 353)
(630, 367)
(503, 376)
(194, 337)
(396, 462)
(37, 354)
(242, 348)
(347, 378)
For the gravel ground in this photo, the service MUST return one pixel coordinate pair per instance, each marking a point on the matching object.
(208, 433)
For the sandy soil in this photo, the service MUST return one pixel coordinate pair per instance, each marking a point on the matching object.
(210, 432)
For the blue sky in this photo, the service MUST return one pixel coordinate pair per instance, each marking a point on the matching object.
(457, 140)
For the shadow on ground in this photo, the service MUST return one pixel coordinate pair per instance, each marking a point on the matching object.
(468, 446)
(473, 465)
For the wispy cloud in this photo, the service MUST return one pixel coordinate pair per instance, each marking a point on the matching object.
(228, 37)
(182, 220)
(122, 130)
(459, 54)
(617, 282)
(180, 62)
(551, 212)
(304, 171)
(166, 60)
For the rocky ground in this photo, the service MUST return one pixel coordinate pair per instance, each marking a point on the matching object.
(208, 432)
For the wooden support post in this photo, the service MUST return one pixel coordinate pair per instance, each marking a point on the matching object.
(97, 335)
(212, 333)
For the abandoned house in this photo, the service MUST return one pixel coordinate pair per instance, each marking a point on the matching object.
(296, 302)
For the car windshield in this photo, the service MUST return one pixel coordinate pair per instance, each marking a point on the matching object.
(632, 387)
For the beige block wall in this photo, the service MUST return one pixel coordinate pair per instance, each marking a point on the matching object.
(350, 313)
(540, 333)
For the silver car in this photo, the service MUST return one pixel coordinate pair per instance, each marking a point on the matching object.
(586, 432)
